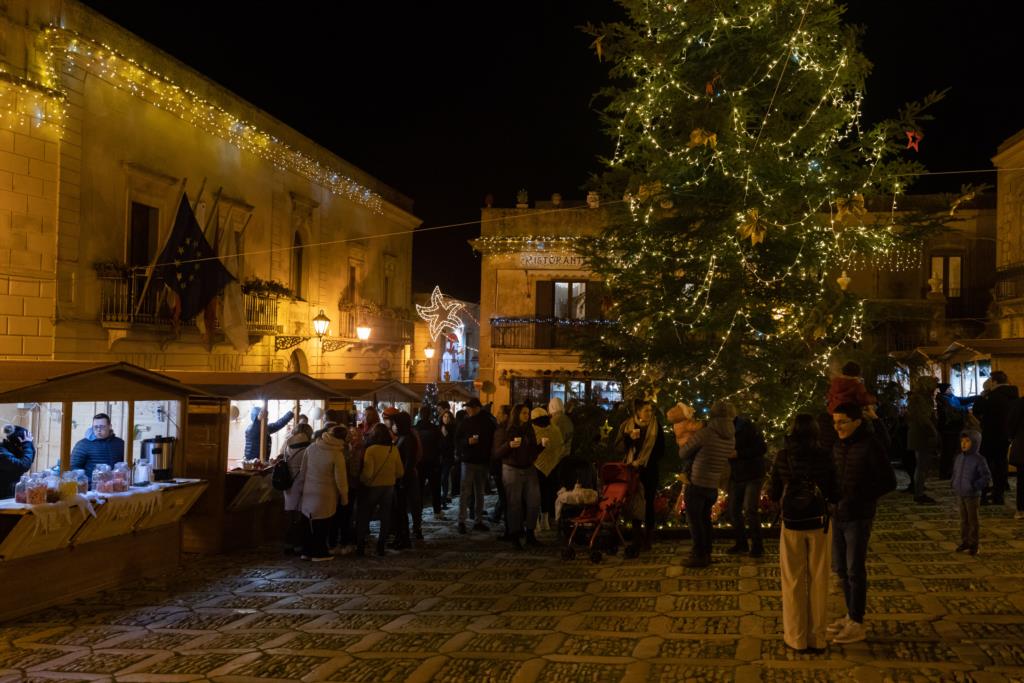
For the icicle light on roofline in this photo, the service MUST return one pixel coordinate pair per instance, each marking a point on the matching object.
(67, 51)
(24, 102)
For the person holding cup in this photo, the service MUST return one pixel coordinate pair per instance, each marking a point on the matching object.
(518, 451)
(640, 441)
(552, 449)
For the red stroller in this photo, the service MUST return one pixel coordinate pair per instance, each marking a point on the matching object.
(619, 483)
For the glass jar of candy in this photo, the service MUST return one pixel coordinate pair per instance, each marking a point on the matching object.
(102, 479)
(68, 485)
(121, 477)
(35, 491)
(21, 489)
(83, 481)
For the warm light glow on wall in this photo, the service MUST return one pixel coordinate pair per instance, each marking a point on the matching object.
(67, 52)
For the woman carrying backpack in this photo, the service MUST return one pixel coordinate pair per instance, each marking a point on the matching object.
(804, 479)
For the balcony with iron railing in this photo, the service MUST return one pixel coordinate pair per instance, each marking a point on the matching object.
(387, 327)
(125, 301)
(550, 333)
(1010, 281)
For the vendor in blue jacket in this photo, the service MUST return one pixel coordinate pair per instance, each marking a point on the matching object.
(99, 447)
(252, 432)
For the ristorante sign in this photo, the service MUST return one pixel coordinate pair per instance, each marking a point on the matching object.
(542, 260)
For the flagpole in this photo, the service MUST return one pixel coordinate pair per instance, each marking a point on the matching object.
(156, 255)
(209, 216)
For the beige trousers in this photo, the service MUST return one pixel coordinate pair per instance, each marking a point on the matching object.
(805, 557)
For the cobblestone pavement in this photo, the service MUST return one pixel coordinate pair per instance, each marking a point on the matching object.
(470, 609)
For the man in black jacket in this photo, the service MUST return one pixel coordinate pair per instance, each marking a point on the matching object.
(746, 472)
(993, 409)
(474, 439)
(865, 475)
(430, 464)
(17, 452)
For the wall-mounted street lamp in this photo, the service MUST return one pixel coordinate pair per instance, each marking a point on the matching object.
(363, 332)
(321, 323)
(428, 352)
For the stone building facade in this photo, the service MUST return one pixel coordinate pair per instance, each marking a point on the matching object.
(534, 293)
(99, 134)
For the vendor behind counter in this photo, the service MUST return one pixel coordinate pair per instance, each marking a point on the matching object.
(99, 447)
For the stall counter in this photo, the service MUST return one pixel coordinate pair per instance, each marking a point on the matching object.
(53, 552)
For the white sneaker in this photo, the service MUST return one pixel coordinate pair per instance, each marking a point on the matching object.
(839, 624)
(852, 633)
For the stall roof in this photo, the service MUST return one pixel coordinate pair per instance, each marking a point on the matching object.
(42, 381)
(446, 391)
(373, 390)
(242, 386)
(967, 349)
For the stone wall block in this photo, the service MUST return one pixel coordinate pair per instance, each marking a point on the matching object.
(10, 346)
(45, 170)
(21, 325)
(11, 305)
(28, 146)
(14, 163)
(28, 185)
(38, 346)
(26, 259)
(6, 141)
(24, 288)
(25, 224)
(51, 152)
(6, 181)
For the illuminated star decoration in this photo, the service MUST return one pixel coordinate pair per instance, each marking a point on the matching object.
(441, 314)
(606, 429)
(914, 139)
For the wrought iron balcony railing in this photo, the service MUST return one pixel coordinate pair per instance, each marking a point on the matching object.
(122, 303)
(531, 333)
(385, 329)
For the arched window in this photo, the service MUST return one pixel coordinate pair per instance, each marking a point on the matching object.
(296, 271)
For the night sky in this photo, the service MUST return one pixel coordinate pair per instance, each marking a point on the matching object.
(447, 102)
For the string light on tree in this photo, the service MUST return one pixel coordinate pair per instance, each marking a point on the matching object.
(735, 291)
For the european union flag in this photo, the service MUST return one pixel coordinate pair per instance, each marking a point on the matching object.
(188, 264)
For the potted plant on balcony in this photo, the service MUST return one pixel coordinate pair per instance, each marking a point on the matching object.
(111, 269)
(271, 289)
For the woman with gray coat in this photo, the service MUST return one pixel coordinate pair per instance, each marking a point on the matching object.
(705, 459)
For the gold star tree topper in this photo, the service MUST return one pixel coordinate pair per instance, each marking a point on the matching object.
(441, 314)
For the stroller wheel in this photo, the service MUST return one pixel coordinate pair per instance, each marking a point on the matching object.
(595, 556)
(632, 553)
(568, 553)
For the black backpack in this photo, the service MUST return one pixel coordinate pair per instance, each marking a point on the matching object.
(281, 479)
(802, 498)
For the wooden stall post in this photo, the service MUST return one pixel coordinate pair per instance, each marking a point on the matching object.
(65, 436)
(129, 451)
(263, 433)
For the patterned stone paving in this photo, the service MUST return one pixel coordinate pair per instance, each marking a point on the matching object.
(468, 609)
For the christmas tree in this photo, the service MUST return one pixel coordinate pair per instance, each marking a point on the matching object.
(747, 178)
(431, 400)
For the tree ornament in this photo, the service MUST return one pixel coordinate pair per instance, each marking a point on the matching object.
(441, 314)
(596, 45)
(852, 206)
(844, 281)
(712, 88)
(700, 137)
(914, 139)
(753, 227)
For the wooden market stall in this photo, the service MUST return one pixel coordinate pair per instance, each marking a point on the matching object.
(364, 392)
(241, 509)
(50, 552)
